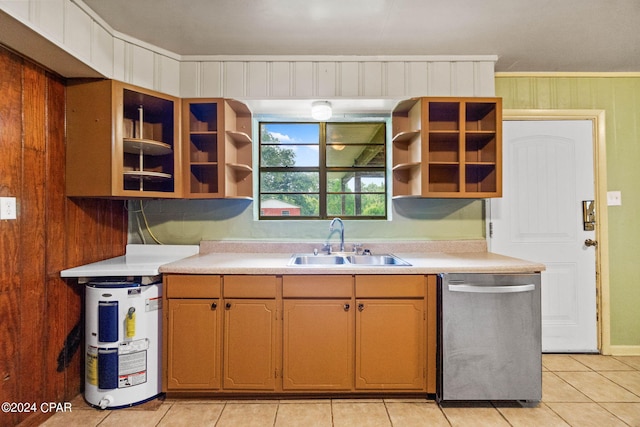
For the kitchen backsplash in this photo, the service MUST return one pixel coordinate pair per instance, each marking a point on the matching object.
(191, 221)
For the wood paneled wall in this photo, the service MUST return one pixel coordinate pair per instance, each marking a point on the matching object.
(41, 357)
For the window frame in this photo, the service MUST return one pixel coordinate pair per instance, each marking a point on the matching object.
(323, 172)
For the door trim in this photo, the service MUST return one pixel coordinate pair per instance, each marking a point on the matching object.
(597, 118)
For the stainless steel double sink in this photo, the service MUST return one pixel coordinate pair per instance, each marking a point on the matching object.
(386, 260)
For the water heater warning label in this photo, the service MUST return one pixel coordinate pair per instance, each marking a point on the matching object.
(92, 365)
(153, 304)
(132, 369)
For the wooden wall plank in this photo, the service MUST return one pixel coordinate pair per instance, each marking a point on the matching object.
(39, 310)
(32, 236)
(10, 175)
(56, 288)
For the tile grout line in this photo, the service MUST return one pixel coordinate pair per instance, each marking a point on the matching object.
(599, 372)
(221, 411)
(165, 412)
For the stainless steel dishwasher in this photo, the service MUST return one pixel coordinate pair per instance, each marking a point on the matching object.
(489, 337)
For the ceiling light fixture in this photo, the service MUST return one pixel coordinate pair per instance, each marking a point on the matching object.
(321, 110)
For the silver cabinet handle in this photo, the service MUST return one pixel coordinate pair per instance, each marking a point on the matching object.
(492, 289)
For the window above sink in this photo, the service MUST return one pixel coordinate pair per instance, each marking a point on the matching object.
(319, 170)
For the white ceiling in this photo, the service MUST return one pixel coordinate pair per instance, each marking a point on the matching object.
(527, 35)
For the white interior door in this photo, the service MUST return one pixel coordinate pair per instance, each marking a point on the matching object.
(548, 171)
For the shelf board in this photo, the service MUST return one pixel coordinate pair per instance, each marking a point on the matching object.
(403, 107)
(407, 196)
(444, 131)
(205, 164)
(239, 197)
(240, 167)
(405, 166)
(147, 146)
(147, 175)
(481, 164)
(406, 136)
(203, 132)
(239, 137)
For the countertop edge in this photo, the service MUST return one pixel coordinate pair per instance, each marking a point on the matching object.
(276, 264)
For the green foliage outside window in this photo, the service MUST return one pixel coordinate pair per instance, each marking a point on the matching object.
(294, 181)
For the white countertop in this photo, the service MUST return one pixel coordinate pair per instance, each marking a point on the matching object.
(139, 260)
(425, 258)
(247, 258)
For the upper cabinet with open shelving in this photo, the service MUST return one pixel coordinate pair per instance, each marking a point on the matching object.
(447, 148)
(122, 141)
(125, 142)
(217, 148)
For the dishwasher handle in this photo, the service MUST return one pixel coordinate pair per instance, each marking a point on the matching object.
(492, 289)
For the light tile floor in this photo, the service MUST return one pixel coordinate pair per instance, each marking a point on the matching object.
(578, 390)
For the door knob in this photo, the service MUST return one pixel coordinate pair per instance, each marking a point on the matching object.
(590, 242)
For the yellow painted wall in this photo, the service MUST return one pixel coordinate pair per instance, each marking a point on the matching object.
(619, 96)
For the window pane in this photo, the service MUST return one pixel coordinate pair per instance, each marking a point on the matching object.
(356, 133)
(289, 205)
(355, 144)
(352, 166)
(289, 144)
(355, 156)
(360, 182)
(290, 133)
(289, 182)
(289, 156)
(356, 205)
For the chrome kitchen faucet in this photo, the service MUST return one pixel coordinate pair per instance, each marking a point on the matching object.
(332, 229)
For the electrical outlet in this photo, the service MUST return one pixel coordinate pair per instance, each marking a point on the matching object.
(614, 198)
(8, 208)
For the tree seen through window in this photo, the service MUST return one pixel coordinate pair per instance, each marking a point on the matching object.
(322, 170)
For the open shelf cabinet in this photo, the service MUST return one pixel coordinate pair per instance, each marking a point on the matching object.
(122, 141)
(217, 148)
(447, 148)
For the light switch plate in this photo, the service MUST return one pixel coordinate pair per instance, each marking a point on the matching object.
(8, 208)
(614, 198)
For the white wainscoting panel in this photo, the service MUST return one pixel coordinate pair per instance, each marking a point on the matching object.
(302, 80)
(140, 66)
(78, 32)
(50, 16)
(102, 49)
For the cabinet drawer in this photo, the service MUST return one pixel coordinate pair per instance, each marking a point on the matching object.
(251, 286)
(390, 286)
(338, 286)
(192, 286)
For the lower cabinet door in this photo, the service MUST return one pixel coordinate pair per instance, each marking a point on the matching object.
(250, 344)
(193, 347)
(390, 337)
(318, 345)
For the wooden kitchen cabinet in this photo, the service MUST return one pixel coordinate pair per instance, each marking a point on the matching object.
(250, 355)
(318, 333)
(192, 333)
(336, 334)
(122, 141)
(447, 148)
(217, 148)
(390, 333)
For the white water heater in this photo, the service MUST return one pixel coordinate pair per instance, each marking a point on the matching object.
(123, 341)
